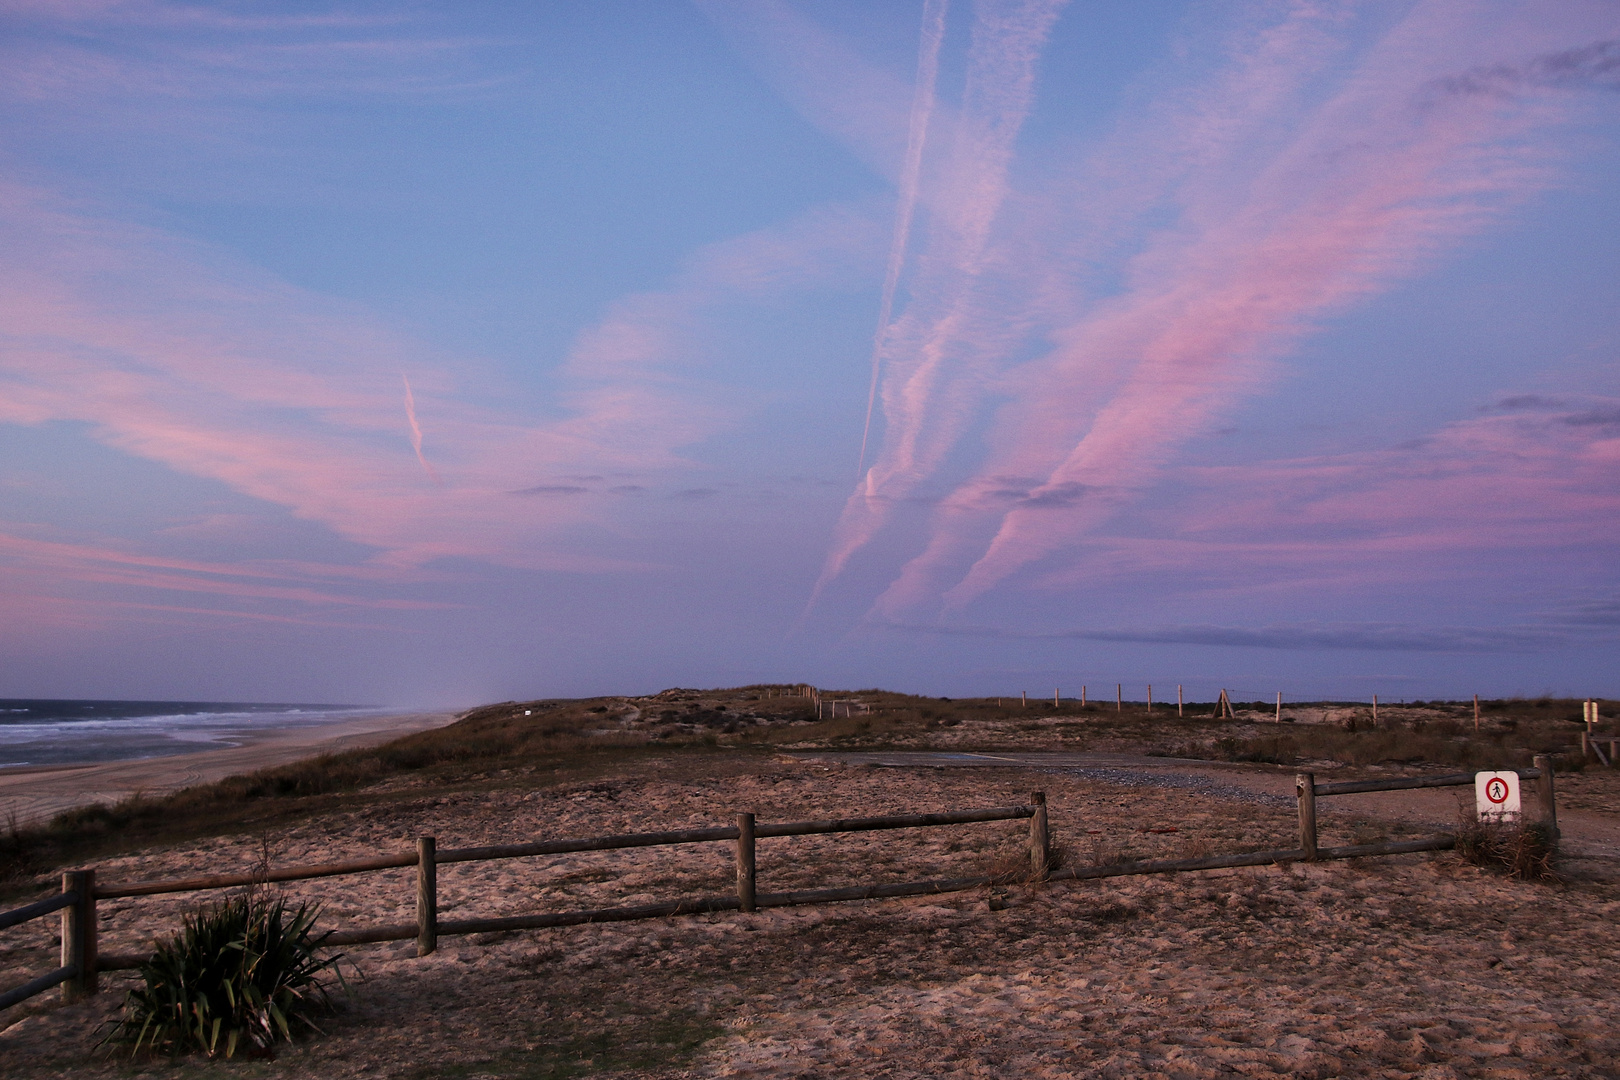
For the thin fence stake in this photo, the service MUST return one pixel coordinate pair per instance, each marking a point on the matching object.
(1054, 699)
(1023, 697)
(1150, 697)
(1178, 700)
(1082, 695)
(1279, 706)
(427, 895)
(746, 874)
(1305, 790)
(1375, 708)
(1119, 697)
(1476, 712)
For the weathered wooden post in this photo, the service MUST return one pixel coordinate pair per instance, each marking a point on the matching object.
(1040, 841)
(1544, 789)
(1178, 701)
(1305, 790)
(1476, 712)
(79, 935)
(1082, 695)
(427, 895)
(745, 861)
(1150, 697)
(1279, 706)
(1119, 697)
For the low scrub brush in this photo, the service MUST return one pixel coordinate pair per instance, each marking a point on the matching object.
(239, 976)
(1518, 850)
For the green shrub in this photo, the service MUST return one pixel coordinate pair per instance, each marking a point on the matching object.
(239, 975)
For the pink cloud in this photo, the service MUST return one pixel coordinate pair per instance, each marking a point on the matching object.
(924, 410)
(173, 353)
(1296, 206)
(1535, 488)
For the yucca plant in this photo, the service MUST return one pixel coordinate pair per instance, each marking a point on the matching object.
(239, 975)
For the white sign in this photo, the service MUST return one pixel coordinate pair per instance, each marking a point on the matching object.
(1496, 796)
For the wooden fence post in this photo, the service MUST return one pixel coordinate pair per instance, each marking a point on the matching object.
(1178, 701)
(1082, 695)
(79, 935)
(1119, 697)
(745, 861)
(1150, 697)
(1305, 790)
(1544, 789)
(427, 895)
(1040, 841)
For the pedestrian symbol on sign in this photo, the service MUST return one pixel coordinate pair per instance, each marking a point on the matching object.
(1496, 796)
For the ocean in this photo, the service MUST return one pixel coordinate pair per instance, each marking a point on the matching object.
(45, 732)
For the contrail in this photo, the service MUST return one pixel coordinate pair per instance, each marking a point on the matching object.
(922, 111)
(416, 430)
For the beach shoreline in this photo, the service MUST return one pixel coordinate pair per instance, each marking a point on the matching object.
(33, 794)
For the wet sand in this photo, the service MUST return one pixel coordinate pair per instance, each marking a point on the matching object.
(29, 794)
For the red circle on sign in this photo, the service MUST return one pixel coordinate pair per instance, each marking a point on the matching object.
(1496, 790)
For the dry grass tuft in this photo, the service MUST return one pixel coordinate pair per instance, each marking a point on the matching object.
(1519, 850)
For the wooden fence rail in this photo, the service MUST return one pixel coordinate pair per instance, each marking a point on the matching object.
(81, 962)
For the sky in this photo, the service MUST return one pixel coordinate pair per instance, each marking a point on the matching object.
(431, 354)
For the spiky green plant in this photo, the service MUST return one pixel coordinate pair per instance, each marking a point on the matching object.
(239, 975)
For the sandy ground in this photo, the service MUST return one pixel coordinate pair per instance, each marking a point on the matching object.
(29, 794)
(1412, 966)
(1589, 823)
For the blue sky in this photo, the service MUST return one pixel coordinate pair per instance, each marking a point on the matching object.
(431, 354)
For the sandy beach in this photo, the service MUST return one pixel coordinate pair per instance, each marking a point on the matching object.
(1419, 967)
(33, 793)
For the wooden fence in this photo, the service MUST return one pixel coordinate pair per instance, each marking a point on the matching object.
(1592, 746)
(81, 961)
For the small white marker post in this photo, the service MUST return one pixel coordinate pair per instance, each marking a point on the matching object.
(1279, 706)
(1375, 708)
(1496, 796)
(1054, 698)
(1082, 695)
